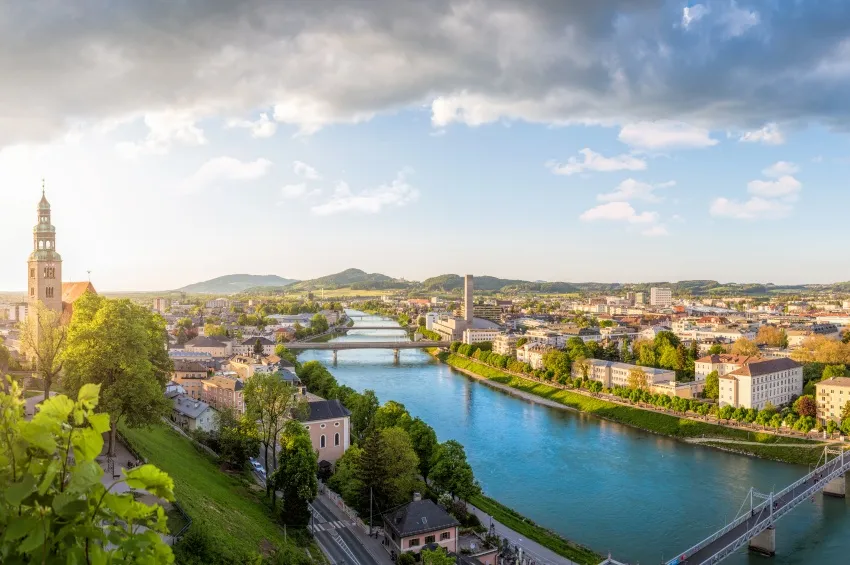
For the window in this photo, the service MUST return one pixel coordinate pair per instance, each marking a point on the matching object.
(445, 536)
(336, 424)
(48, 292)
(430, 539)
(32, 273)
(413, 543)
(322, 426)
(322, 442)
(32, 291)
(336, 439)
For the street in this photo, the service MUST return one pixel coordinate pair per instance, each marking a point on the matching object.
(338, 539)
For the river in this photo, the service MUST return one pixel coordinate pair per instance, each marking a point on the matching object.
(608, 486)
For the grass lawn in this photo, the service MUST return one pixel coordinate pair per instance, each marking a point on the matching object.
(31, 393)
(532, 531)
(648, 420)
(229, 506)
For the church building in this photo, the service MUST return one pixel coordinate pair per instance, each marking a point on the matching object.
(45, 269)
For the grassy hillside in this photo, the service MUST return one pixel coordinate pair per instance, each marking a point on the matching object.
(232, 284)
(228, 508)
(351, 278)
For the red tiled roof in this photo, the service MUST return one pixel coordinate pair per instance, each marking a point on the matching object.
(71, 291)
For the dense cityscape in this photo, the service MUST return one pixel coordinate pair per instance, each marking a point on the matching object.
(465, 282)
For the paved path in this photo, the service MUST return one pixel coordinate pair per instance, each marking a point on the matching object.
(341, 539)
(738, 442)
(540, 554)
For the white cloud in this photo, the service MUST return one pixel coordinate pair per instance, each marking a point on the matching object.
(631, 189)
(665, 134)
(780, 168)
(769, 134)
(165, 129)
(655, 231)
(618, 212)
(593, 161)
(398, 193)
(785, 186)
(293, 190)
(305, 171)
(225, 169)
(692, 14)
(738, 20)
(752, 209)
(262, 127)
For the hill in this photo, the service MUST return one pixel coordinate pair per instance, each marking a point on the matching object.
(231, 284)
(351, 278)
(447, 283)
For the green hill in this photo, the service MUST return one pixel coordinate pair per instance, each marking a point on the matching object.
(450, 282)
(232, 284)
(351, 278)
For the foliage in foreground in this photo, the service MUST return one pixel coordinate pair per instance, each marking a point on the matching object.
(54, 507)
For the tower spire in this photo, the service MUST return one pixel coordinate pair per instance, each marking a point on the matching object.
(42, 186)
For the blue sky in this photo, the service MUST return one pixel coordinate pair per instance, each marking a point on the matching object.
(612, 141)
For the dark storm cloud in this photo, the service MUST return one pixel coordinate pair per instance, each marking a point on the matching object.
(738, 65)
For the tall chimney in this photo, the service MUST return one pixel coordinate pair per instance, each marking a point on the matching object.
(467, 298)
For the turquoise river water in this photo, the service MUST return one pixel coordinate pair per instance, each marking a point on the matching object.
(601, 484)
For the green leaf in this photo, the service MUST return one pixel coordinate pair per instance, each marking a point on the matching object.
(118, 503)
(35, 539)
(56, 408)
(19, 527)
(88, 394)
(151, 479)
(84, 475)
(88, 443)
(99, 423)
(38, 435)
(17, 492)
(49, 475)
(68, 504)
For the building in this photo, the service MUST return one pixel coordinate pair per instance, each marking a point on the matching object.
(409, 527)
(191, 414)
(640, 298)
(532, 353)
(332, 316)
(217, 304)
(188, 355)
(797, 335)
(479, 335)
(214, 347)
(723, 363)
(223, 392)
(660, 297)
(161, 305)
(832, 395)
(189, 375)
(614, 374)
(247, 346)
(468, 308)
(490, 312)
(329, 424)
(756, 381)
(505, 344)
(430, 318)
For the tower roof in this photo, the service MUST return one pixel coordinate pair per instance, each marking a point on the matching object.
(43, 203)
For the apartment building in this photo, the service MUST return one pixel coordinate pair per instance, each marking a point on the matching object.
(490, 312)
(246, 366)
(532, 353)
(247, 346)
(759, 381)
(210, 345)
(190, 375)
(832, 395)
(224, 391)
(479, 335)
(505, 344)
(723, 363)
(660, 297)
(613, 374)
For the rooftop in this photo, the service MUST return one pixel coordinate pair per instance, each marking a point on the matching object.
(419, 516)
(204, 341)
(189, 407)
(326, 410)
(758, 367)
(835, 381)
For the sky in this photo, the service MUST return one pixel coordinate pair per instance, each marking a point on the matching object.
(606, 140)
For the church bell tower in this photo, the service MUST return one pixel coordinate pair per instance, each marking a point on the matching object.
(45, 264)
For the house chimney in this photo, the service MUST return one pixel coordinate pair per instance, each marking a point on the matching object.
(417, 497)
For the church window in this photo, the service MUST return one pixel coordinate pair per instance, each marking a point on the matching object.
(41, 244)
(32, 273)
(32, 291)
(50, 272)
(48, 292)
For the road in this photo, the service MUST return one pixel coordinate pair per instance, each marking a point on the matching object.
(336, 538)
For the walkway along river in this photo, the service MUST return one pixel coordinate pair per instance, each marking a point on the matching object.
(601, 484)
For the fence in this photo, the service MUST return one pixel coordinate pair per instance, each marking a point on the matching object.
(340, 503)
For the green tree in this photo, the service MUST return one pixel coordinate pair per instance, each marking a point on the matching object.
(43, 340)
(258, 347)
(625, 351)
(521, 341)
(346, 478)
(402, 466)
(295, 476)
(437, 557)
(363, 413)
(776, 421)
(424, 441)
(238, 438)
(712, 385)
(556, 361)
(831, 427)
(406, 558)
(726, 413)
(120, 346)
(834, 371)
(270, 401)
(214, 330)
(451, 473)
(281, 351)
(319, 324)
(421, 321)
(716, 349)
(54, 507)
(845, 411)
(392, 414)
(638, 379)
(806, 406)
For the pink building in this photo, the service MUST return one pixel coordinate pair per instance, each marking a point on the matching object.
(419, 523)
(329, 425)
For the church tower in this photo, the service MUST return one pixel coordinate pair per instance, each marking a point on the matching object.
(45, 264)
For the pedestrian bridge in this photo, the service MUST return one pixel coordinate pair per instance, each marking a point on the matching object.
(756, 521)
(336, 346)
(350, 328)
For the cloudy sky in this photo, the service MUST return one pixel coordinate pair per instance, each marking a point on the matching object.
(610, 140)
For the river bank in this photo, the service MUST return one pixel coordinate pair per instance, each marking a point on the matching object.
(752, 443)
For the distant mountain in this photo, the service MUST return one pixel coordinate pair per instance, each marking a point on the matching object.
(351, 278)
(232, 284)
(447, 283)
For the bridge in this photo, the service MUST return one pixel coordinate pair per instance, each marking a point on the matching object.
(335, 346)
(755, 526)
(342, 329)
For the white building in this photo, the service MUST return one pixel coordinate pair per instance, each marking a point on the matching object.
(613, 374)
(430, 318)
(752, 382)
(191, 414)
(661, 297)
(218, 303)
(247, 346)
(505, 344)
(532, 354)
(479, 335)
